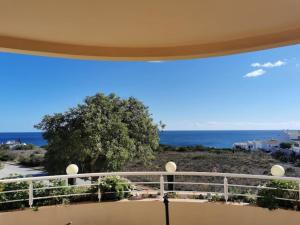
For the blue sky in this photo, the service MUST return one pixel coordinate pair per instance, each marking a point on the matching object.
(258, 90)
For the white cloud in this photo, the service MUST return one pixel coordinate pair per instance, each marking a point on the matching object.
(269, 64)
(235, 125)
(255, 64)
(187, 124)
(256, 73)
(154, 61)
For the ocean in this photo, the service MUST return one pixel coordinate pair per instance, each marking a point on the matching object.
(218, 139)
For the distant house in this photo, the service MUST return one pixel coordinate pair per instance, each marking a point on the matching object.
(241, 145)
(249, 145)
(269, 145)
(12, 144)
(294, 135)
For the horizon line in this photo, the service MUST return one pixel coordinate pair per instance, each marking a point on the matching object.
(1, 132)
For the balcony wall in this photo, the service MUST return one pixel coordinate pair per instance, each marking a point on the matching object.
(150, 213)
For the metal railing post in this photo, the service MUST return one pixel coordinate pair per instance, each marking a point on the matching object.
(226, 189)
(162, 186)
(30, 194)
(99, 191)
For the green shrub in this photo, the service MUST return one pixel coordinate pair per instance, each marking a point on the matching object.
(201, 196)
(4, 147)
(285, 145)
(269, 197)
(115, 188)
(11, 196)
(216, 198)
(173, 195)
(281, 156)
(241, 195)
(64, 190)
(40, 191)
(297, 163)
(5, 156)
(32, 160)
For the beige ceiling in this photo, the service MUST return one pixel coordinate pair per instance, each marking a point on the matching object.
(146, 30)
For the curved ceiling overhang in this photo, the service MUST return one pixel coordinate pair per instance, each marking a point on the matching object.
(146, 30)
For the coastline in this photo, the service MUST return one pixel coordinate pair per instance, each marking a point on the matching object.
(209, 138)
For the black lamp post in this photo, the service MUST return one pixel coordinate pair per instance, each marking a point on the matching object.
(171, 168)
(171, 185)
(166, 202)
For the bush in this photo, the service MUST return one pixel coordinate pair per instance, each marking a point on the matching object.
(51, 192)
(4, 147)
(297, 163)
(41, 191)
(241, 195)
(115, 188)
(285, 145)
(269, 197)
(4, 155)
(112, 188)
(32, 160)
(216, 198)
(281, 156)
(10, 196)
(292, 157)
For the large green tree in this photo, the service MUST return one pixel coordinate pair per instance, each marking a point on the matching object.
(102, 134)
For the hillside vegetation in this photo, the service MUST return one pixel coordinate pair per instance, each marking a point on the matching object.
(203, 159)
(213, 160)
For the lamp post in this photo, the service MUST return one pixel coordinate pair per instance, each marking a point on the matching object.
(72, 169)
(277, 171)
(166, 202)
(171, 168)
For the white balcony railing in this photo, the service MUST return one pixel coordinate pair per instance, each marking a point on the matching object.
(146, 183)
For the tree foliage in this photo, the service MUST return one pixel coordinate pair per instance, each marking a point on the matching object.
(285, 145)
(102, 134)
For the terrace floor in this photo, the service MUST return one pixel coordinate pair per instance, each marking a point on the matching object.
(151, 212)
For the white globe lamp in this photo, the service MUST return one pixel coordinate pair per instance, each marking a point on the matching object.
(72, 169)
(277, 171)
(171, 167)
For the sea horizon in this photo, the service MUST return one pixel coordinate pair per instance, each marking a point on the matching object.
(209, 138)
(2, 132)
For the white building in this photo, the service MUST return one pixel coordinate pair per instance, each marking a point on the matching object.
(271, 145)
(13, 143)
(294, 135)
(241, 145)
(258, 145)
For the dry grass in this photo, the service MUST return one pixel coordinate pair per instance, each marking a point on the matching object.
(224, 161)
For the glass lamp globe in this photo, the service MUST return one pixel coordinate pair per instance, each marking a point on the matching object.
(277, 171)
(72, 169)
(171, 167)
